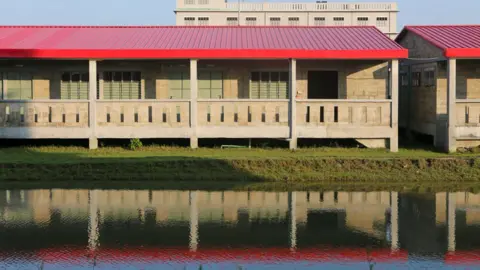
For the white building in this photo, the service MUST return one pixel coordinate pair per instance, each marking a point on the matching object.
(319, 13)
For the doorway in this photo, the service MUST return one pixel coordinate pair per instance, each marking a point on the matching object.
(323, 84)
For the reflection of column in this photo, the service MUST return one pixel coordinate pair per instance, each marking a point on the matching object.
(93, 229)
(193, 221)
(7, 196)
(394, 220)
(292, 215)
(451, 206)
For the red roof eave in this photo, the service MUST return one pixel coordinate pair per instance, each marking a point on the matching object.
(462, 53)
(202, 54)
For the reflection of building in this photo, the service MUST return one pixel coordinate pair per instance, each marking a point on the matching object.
(203, 212)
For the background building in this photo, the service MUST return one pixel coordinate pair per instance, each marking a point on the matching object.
(319, 13)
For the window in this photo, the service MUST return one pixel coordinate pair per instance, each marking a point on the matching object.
(416, 78)
(251, 21)
(203, 2)
(404, 79)
(382, 21)
(319, 21)
(269, 85)
(74, 85)
(19, 85)
(338, 21)
(232, 21)
(293, 21)
(203, 21)
(179, 85)
(189, 20)
(210, 84)
(362, 21)
(429, 76)
(121, 85)
(275, 21)
(189, 2)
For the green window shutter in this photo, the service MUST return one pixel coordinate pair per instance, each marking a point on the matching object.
(116, 85)
(1, 85)
(83, 86)
(265, 85)
(283, 85)
(186, 85)
(255, 85)
(135, 85)
(204, 87)
(26, 86)
(65, 82)
(107, 85)
(175, 85)
(14, 85)
(217, 84)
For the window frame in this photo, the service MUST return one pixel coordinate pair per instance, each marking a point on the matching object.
(279, 72)
(74, 92)
(323, 21)
(8, 88)
(277, 20)
(121, 84)
(416, 78)
(203, 19)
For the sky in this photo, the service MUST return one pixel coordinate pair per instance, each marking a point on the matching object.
(160, 12)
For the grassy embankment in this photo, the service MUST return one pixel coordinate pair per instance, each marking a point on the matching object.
(208, 168)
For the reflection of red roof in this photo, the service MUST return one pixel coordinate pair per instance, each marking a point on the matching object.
(455, 40)
(222, 255)
(172, 42)
(463, 257)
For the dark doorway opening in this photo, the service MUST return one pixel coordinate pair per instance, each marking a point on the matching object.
(323, 85)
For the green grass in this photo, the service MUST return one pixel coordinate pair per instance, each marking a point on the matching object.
(66, 155)
(238, 169)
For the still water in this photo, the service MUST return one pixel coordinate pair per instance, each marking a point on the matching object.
(162, 229)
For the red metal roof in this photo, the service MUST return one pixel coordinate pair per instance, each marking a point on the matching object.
(457, 41)
(105, 42)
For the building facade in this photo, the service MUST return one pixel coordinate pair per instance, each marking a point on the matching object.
(73, 82)
(320, 13)
(440, 85)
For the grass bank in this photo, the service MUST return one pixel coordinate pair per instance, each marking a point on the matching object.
(208, 168)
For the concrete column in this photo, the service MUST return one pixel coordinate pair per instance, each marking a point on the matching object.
(451, 207)
(193, 102)
(7, 196)
(292, 112)
(193, 221)
(292, 215)
(93, 224)
(394, 220)
(92, 112)
(4, 82)
(451, 105)
(394, 97)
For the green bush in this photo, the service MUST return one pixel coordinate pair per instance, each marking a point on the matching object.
(135, 144)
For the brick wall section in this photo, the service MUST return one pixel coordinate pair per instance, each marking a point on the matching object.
(419, 47)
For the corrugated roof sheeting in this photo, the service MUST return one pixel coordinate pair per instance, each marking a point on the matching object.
(199, 42)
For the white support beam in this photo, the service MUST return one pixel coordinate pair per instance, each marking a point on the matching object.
(292, 112)
(193, 221)
(394, 113)
(93, 224)
(193, 102)
(394, 220)
(451, 105)
(451, 207)
(92, 97)
(292, 215)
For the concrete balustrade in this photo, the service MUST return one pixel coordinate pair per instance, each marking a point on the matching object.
(468, 121)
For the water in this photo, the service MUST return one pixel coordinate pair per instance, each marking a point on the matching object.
(156, 229)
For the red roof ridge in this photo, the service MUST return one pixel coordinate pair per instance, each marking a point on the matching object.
(442, 25)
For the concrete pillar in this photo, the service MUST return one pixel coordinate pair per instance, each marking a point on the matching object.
(394, 220)
(4, 82)
(7, 196)
(451, 207)
(394, 113)
(92, 96)
(193, 103)
(292, 215)
(193, 221)
(451, 105)
(292, 112)
(93, 224)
